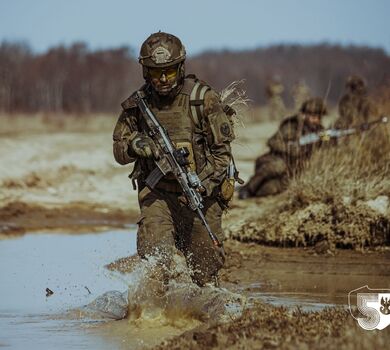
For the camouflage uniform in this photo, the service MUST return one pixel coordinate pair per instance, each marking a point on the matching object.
(300, 93)
(192, 116)
(275, 102)
(355, 106)
(286, 157)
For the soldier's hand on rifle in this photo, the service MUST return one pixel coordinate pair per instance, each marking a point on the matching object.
(201, 189)
(143, 146)
(182, 199)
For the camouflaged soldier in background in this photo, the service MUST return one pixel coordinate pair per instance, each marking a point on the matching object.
(355, 106)
(192, 114)
(300, 93)
(286, 157)
(276, 106)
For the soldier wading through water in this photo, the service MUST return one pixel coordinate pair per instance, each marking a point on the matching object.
(286, 156)
(195, 120)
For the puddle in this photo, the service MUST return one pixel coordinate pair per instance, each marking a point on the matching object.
(295, 277)
(304, 301)
(278, 294)
(72, 266)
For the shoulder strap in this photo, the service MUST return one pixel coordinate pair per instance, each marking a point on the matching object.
(197, 102)
(191, 88)
(188, 85)
(130, 102)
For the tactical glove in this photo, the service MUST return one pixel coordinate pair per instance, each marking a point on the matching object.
(143, 146)
(208, 186)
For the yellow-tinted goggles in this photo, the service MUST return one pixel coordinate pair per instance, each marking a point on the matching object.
(169, 73)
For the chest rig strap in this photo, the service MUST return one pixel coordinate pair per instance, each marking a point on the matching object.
(197, 103)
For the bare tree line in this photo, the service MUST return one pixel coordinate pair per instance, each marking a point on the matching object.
(76, 79)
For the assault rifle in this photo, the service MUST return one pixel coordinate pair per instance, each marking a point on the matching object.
(328, 134)
(175, 161)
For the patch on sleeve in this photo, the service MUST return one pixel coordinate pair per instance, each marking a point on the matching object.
(225, 129)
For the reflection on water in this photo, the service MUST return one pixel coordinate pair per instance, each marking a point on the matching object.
(304, 301)
(72, 266)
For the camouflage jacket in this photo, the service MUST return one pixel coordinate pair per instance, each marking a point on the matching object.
(285, 142)
(210, 140)
(354, 109)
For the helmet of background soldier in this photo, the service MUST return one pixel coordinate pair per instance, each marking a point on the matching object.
(162, 51)
(355, 84)
(314, 106)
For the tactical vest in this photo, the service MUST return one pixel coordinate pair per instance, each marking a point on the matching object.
(183, 120)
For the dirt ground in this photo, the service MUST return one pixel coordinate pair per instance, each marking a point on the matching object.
(267, 327)
(67, 179)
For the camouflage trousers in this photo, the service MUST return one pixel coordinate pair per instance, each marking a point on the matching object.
(168, 227)
(270, 178)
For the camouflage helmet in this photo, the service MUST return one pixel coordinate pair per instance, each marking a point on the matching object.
(161, 50)
(355, 83)
(315, 106)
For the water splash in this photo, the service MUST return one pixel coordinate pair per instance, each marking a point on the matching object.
(176, 301)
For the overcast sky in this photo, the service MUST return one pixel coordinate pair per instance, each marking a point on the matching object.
(200, 24)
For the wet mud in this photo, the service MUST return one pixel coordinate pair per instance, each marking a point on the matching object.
(294, 298)
(18, 218)
(297, 299)
(284, 285)
(256, 307)
(301, 273)
(268, 327)
(326, 225)
(287, 297)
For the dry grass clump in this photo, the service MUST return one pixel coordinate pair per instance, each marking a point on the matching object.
(323, 225)
(342, 197)
(357, 169)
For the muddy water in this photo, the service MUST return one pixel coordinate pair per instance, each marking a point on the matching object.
(299, 277)
(72, 266)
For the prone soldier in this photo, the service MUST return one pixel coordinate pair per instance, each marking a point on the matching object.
(286, 156)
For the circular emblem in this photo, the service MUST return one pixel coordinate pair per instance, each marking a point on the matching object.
(161, 55)
(225, 129)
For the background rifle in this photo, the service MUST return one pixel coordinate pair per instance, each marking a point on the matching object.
(328, 134)
(175, 161)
